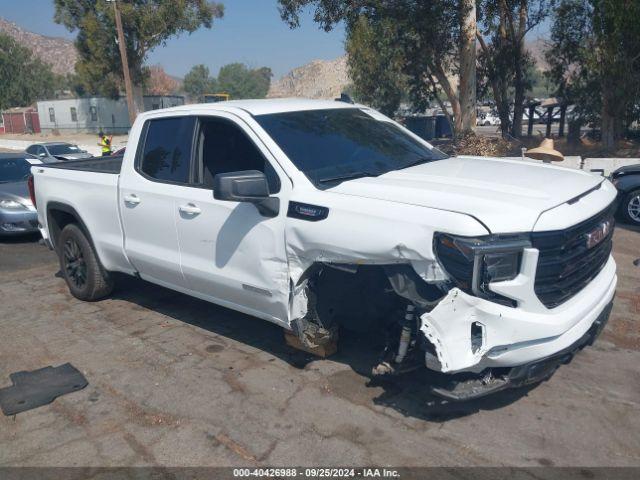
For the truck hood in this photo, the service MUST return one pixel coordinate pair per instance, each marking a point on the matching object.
(505, 195)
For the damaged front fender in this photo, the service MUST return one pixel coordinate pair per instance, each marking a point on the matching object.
(359, 231)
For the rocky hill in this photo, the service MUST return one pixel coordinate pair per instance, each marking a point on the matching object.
(318, 79)
(537, 48)
(57, 52)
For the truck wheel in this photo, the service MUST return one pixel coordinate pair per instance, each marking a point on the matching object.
(630, 207)
(85, 277)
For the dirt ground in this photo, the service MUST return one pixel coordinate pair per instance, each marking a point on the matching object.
(175, 381)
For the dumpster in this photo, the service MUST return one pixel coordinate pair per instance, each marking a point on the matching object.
(421, 125)
(443, 129)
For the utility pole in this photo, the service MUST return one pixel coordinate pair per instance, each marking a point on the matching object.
(125, 64)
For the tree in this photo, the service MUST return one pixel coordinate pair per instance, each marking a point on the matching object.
(375, 65)
(239, 81)
(504, 60)
(24, 78)
(146, 24)
(427, 35)
(198, 82)
(159, 83)
(595, 60)
(467, 88)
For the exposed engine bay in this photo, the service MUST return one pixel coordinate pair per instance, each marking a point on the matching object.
(387, 299)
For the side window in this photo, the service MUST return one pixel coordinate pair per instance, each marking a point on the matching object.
(31, 150)
(167, 149)
(224, 147)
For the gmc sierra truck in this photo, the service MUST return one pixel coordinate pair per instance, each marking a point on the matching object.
(321, 215)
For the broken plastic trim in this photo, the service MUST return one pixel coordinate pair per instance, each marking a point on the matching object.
(464, 386)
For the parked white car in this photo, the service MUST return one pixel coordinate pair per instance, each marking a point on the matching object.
(319, 215)
(487, 119)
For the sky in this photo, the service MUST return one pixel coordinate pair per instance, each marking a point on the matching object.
(251, 32)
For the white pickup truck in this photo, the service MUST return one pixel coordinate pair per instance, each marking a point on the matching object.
(320, 215)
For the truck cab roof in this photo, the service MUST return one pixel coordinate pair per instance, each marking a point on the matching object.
(264, 106)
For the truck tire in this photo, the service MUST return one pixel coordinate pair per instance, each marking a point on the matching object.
(630, 207)
(86, 278)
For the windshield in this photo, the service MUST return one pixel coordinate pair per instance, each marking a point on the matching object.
(339, 144)
(63, 149)
(14, 170)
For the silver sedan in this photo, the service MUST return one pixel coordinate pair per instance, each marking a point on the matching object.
(18, 215)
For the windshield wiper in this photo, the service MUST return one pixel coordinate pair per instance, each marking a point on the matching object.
(347, 176)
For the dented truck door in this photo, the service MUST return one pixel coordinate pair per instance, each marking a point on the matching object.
(231, 253)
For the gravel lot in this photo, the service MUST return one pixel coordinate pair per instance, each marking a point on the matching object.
(175, 381)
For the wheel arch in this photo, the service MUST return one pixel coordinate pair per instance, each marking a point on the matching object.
(59, 215)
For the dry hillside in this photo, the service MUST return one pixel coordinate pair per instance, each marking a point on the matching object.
(318, 79)
(58, 52)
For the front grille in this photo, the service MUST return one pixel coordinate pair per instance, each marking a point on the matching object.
(566, 265)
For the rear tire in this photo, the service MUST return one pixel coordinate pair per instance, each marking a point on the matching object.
(85, 277)
(630, 207)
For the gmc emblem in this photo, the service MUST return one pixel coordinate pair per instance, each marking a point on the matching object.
(598, 234)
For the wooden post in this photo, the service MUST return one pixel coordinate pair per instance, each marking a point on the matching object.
(563, 114)
(532, 111)
(549, 121)
(125, 64)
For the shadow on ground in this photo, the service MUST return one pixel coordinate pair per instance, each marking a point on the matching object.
(18, 239)
(408, 394)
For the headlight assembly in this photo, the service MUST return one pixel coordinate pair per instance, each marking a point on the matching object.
(475, 262)
(11, 205)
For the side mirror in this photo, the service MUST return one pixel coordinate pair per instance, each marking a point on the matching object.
(246, 186)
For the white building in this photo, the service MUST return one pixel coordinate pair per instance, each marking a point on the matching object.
(90, 115)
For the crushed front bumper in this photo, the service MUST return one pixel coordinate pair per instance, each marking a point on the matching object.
(470, 334)
(464, 386)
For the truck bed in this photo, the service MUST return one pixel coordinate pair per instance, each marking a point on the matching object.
(99, 164)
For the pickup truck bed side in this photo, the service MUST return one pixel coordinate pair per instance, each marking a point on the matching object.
(111, 165)
(89, 199)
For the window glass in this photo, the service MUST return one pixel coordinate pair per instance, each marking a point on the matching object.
(14, 170)
(74, 114)
(63, 149)
(167, 149)
(31, 150)
(224, 147)
(337, 144)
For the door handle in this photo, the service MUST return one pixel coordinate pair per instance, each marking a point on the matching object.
(190, 209)
(132, 199)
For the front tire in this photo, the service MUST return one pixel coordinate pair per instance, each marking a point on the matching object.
(630, 207)
(85, 277)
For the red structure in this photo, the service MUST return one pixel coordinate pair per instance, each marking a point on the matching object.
(21, 120)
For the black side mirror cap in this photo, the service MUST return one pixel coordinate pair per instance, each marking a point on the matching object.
(246, 186)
